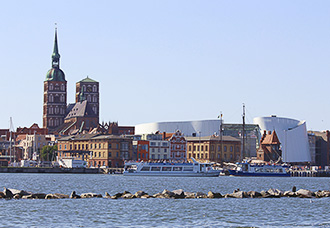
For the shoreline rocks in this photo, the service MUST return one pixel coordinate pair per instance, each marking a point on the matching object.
(167, 194)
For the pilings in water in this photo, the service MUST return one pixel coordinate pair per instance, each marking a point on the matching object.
(310, 173)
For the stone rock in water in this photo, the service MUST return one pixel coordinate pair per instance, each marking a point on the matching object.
(39, 195)
(2, 195)
(289, 194)
(190, 195)
(179, 194)
(294, 189)
(107, 195)
(239, 194)
(90, 195)
(213, 195)
(8, 193)
(254, 194)
(74, 195)
(139, 194)
(303, 193)
(275, 192)
(200, 195)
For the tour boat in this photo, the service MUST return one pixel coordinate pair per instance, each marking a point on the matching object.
(267, 170)
(173, 169)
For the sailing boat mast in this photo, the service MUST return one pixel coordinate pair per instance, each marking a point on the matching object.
(243, 135)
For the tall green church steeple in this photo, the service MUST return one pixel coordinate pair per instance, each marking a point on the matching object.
(55, 74)
(56, 56)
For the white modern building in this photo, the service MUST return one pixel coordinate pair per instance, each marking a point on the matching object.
(292, 135)
(188, 128)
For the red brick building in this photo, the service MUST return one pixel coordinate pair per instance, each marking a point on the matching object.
(143, 150)
(178, 146)
(269, 147)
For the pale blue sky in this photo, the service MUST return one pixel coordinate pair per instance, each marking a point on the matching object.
(171, 60)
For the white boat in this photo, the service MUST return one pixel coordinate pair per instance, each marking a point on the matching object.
(265, 170)
(185, 169)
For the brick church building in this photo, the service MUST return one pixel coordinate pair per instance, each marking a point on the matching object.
(66, 119)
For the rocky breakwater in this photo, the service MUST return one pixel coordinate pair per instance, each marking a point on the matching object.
(166, 194)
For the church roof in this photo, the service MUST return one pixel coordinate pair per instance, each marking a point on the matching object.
(87, 79)
(81, 109)
(55, 74)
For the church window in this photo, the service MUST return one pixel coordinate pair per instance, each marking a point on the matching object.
(62, 98)
(84, 88)
(94, 88)
(94, 98)
(89, 98)
(56, 110)
(62, 87)
(51, 98)
(51, 87)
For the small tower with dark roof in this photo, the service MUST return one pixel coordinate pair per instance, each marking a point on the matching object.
(55, 93)
(88, 89)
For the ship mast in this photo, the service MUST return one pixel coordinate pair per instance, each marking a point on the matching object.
(243, 135)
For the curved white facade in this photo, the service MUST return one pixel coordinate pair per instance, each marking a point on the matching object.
(200, 127)
(292, 135)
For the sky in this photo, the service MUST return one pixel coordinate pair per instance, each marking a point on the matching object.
(171, 60)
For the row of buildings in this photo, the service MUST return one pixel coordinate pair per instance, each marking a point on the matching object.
(76, 130)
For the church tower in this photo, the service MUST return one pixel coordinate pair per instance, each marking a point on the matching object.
(55, 93)
(88, 89)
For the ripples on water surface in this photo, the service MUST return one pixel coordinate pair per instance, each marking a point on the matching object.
(285, 212)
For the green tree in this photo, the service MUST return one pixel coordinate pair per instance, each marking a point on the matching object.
(48, 153)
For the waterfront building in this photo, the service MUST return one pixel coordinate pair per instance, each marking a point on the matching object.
(31, 145)
(269, 147)
(55, 93)
(291, 133)
(214, 148)
(110, 150)
(178, 146)
(142, 150)
(159, 149)
(319, 144)
(97, 150)
(77, 147)
(206, 128)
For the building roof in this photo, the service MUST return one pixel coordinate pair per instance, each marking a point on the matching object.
(78, 137)
(81, 109)
(87, 79)
(271, 139)
(212, 138)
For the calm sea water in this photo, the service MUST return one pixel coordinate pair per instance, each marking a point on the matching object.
(98, 212)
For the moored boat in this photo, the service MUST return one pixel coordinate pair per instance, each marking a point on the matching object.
(267, 170)
(180, 169)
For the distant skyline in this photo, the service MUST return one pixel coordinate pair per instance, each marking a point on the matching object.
(171, 60)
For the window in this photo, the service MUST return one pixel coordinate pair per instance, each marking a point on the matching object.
(225, 148)
(60, 147)
(194, 148)
(206, 147)
(231, 149)
(202, 148)
(64, 147)
(219, 148)
(109, 154)
(189, 147)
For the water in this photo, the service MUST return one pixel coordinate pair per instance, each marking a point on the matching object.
(98, 212)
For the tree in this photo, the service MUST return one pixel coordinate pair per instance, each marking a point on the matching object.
(48, 152)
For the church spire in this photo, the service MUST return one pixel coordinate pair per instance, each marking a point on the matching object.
(55, 56)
